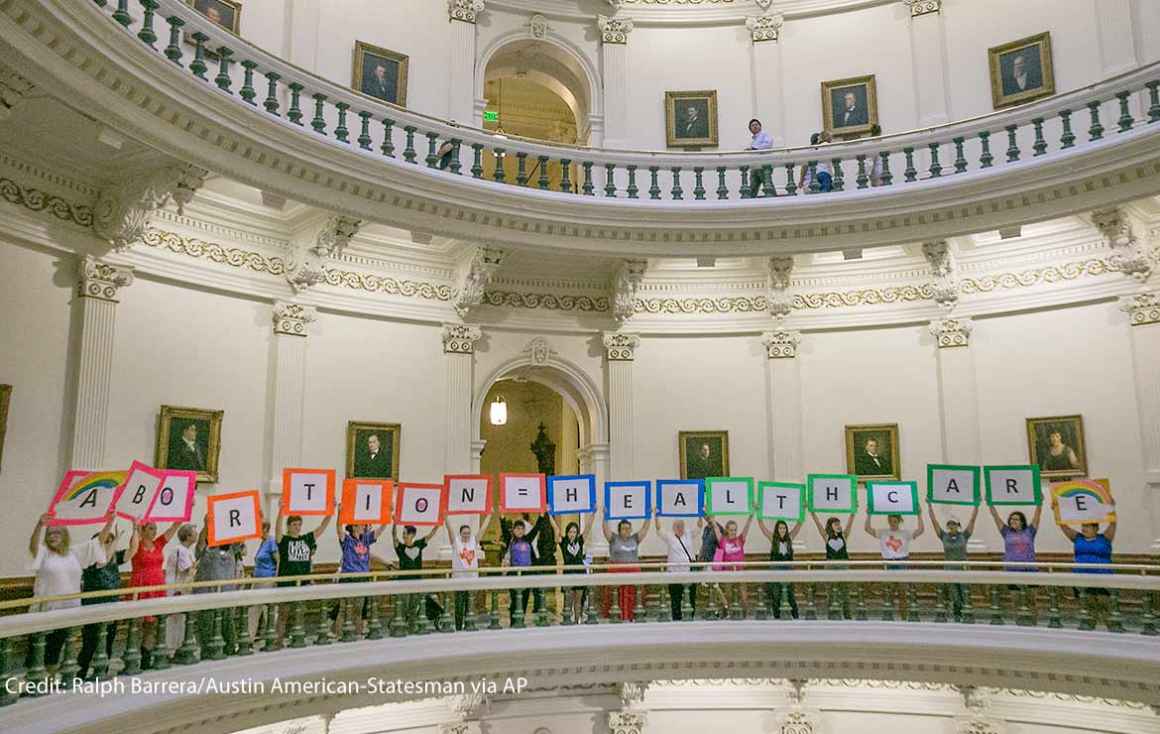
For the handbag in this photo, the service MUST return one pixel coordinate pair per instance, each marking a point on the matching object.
(718, 558)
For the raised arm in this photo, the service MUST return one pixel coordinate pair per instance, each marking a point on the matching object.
(716, 528)
(643, 533)
(203, 535)
(995, 516)
(339, 528)
(431, 533)
(818, 525)
(172, 530)
(106, 534)
(660, 530)
(1110, 533)
(604, 527)
(278, 529)
(765, 530)
(797, 526)
(555, 526)
(971, 522)
(934, 520)
(745, 530)
(1038, 514)
(34, 541)
(587, 531)
(921, 526)
(134, 540)
(322, 526)
(394, 534)
(869, 528)
(483, 526)
(849, 524)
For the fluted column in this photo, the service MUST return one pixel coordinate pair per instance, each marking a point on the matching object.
(614, 34)
(291, 322)
(594, 460)
(785, 404)
(928, 46)
(620, 350)
(97, 286)
(958, 394)
(459, 349)
(768, 104)
(1143, 311)
(462, 15)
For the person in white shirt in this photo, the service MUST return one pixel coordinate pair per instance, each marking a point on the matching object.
(58, 569)
(874, 160)
(180, 565)
(761, 141)
(465, 553)
(680, 557)
(894, 542)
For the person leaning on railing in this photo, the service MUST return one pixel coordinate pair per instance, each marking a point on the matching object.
(780, 549)
(295, 556)
(761, 141)
(59, 567)
(822, 172)
(954, 540)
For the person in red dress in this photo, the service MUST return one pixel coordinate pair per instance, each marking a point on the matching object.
(147, 556)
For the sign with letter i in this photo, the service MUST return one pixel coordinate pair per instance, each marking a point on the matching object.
(366, 502)
(308, 491)
(234, 518)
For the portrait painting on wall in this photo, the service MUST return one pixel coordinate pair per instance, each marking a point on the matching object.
(5, 397)
(872, 451)
(372, 450)
(849, 106)
(224, 13)
(189, 439)
(1021, 71)
(380, 73)
(703, 454)
(691, 119)
(1056, 444)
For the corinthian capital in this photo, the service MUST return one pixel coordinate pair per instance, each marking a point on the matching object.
(620, 346)
(614, 30)
(922, 7)
(460, 338)
(764, 27)
(101, 280)
(781, 343)
(465, 10)
(292, 319)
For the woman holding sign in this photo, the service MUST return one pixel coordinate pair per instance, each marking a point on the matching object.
(147, 557)
(834, 536)
(1090, 545)
(572, 545)
(624, 554)
(780, 549)
(1018, 537)
(731, 553)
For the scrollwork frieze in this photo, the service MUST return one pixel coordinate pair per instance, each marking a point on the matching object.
(40, 201)
(582, 304)
(232, 256)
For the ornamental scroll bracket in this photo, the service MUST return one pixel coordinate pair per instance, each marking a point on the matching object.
(778, 281)
(476, 272)
(1129, 255)
(314, 246)
(123, 210)
(626, 284)
(944, 269)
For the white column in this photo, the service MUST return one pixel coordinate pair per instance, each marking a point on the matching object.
(97, 285)
(459, 350)
(1144, 314)
(1117, 41)
(619, 350)
(462, 15)
(291, 324)
(594, 460)
(958, 394)
(928, 57)
(768, 105)
(614, 62)
(785, 404)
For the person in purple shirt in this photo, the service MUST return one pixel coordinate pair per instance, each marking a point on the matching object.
(518, 556)
(1018, 537)
(355, 542)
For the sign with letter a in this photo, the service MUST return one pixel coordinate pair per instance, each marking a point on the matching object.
(420, 504)
(468, 494)
(781, 501)
(140, 489)
(1013, 485)
(308, 491)
(832, 492)
(728, 495)
(234, 518)
(572, 495)
(680, 497)
(948, 484)
(892, 498)
(174, 499)
(523, 493)
(366, 502)
(627, 500)
(86, 497)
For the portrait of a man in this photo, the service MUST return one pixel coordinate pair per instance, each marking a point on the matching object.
(691, 118)
(189, 439)
(372, 450)
(1056, 444)
(703, 454)
(872, 451)
(223, 13)
(1021, 71)
(380, 73)
(849, 106)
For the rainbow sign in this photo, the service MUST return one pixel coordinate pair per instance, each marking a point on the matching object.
(86, 497)
(1079, 501)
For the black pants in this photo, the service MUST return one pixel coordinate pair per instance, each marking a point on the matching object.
(53, 644)
(461, 608)
(89, 636)
(773, 594)
(757, 178)
(676, 595)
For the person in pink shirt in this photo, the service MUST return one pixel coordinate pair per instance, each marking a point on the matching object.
(731, 551)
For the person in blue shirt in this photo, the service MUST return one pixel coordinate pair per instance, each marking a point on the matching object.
(1090, 546)
(265, 566)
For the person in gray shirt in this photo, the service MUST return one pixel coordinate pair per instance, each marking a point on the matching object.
(954, 542)
(623, 551)
(216, 563)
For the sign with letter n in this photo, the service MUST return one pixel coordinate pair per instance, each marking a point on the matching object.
(467, 494)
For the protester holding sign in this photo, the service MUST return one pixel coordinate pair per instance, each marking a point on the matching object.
(954, 541)
(410, 555)
(731, 554)
(894, 542)
(679, 560)
(572, 547)
(105, 575)
(1018, 537)
(624, 556)
(1091, 546)
(147, 558)
(465, 555)
(295, 555)
(216, 563)
(519, 555)
(834, 536)
(780, 549)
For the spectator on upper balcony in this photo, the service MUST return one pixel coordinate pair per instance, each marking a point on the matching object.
(874, 170)
(759, 176)
(821, 172)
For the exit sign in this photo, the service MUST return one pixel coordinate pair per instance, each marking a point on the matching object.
(490, 116)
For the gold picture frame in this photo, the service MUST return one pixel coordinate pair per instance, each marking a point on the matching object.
(199, 450)
(5, 399)
(228, 12)
(1066, 459)
(384, 463)
(691, 450)
(841, 118)
(1019, 76)
(882, 461)
(362, 75)
(691, 119)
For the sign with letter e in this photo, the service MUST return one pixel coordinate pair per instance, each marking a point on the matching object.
(832, 492)
(308, 491)
(627, 500)
(571, 495)
(781, 501)
(420, 504)
(949, 484)
(468, 494)
(1081, 501)
(366, 502)
(523, 493)
(1013, 484)
(680, 497)
(234, 518)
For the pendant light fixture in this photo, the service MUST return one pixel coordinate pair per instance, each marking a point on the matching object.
(497, 413)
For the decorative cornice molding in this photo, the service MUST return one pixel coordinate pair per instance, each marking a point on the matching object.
(547, 301)
(478, 270)
(614, 31)
(315, 247)
(460, 338)
(39, 201)
(626, 283)
(1142, 308)
(922, 7)
(1128, 256)
(101, 280)
(292, 319)
(620, 346)
(465, 10)
(781, 343)
(13, 89)
(952, 332)
(234, 257)
(764, 27)
(121, 214)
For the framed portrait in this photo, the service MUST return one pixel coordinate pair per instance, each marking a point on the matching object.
(5, 397)
(224, 13)
(872, 451)
(1021, 71)
(372, 450)
(1056, 444)
(189, 439)
(380, 73)
(691, 119)
(703, 454)
(849, 106)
